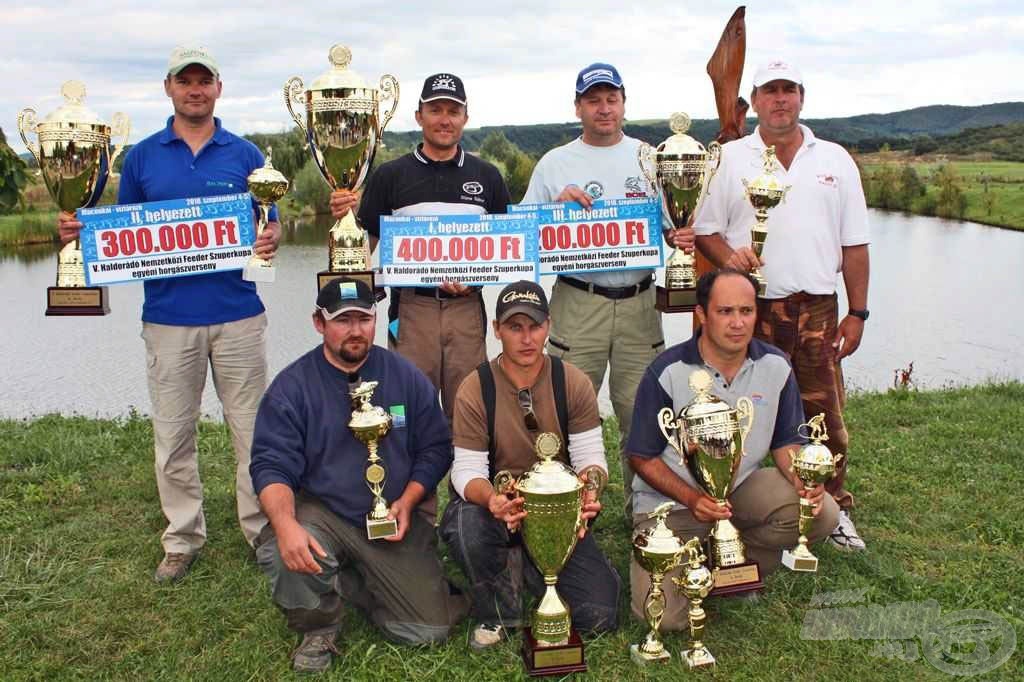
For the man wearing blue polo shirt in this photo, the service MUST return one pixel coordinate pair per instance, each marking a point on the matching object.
(189, 323)
(764, 501)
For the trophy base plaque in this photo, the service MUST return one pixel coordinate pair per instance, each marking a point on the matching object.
(378, 529)
(675, 300)
(697, 658)
(325, 276)
(77, 301)
(258, 273)
(560, 659)
(794, 562)
(641, 657)
(738, 579)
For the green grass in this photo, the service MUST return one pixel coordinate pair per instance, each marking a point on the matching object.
(937, 477)
(31, 227)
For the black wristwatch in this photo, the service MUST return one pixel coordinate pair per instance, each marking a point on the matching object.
(862, 314)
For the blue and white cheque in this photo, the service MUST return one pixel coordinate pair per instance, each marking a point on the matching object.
(615, 234)
(424, 251)
(175, 238)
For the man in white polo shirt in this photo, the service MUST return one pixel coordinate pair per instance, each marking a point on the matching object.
(819, 230)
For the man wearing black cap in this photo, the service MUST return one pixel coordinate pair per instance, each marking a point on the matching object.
(308, 469)
(441, 330)
(499, 411)
(603, 320)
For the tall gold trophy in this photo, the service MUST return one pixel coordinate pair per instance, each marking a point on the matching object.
(74, 157)
(658, 550)
(763, 192)
(695, 583)
(552, 496)
(267, 185)
(343, 126)
(370, 423)
(813, 464)
(708, 435)
(683, 169)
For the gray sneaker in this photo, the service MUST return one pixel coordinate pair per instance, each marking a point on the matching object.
(174, 567)
(486, 635)
(845, 536)
(313, 655)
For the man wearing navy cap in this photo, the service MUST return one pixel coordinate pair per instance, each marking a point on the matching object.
(603, 320)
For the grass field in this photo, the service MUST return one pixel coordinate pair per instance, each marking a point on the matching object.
(937, 477)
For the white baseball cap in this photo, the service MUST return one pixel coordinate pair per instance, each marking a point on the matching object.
(775, 70)
(183, 55)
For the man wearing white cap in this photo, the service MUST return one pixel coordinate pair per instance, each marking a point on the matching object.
(819, 230)
(193, 323)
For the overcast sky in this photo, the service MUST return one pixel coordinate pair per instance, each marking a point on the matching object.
(518, 59)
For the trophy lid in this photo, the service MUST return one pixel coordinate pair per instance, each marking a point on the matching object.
(339, 75)
(704, 403)
(72, 111)
(659, 538)
(767, 181)
(815, 453)
(549, 476)
(266, 174)
(681, 144)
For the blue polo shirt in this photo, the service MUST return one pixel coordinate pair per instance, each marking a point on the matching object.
(163, 167)
(766, 377)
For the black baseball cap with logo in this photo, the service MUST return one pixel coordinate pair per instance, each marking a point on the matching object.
(443, 86)
(342, 295)
(522, 297)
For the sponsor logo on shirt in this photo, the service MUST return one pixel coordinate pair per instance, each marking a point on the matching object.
(634, 188)
(472, 187)
(219, 183)
(397, 416)
(594, 189)
(757, 398)
(828, 180)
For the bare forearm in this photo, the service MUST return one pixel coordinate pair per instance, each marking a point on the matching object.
(413, 494)
(657, 475)
(784, 461)
(278, 503)
(714, 249)
(856, 270)
(479, 491)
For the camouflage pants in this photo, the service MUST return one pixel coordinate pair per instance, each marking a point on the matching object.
(803, 326)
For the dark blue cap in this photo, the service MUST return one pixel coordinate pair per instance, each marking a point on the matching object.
(596, 74)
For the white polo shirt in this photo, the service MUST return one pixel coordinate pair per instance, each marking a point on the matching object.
(823, 211)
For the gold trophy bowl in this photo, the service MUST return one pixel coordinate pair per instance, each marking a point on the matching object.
(552, 496)
(683, 169)
(764, 193)
(813, 464)
(370, 424)
(658, 550)
(267, 185)
(708, 435)
(695, 584)
(343, 126)
(72, 149)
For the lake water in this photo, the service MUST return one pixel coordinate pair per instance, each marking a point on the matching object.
(945, 295)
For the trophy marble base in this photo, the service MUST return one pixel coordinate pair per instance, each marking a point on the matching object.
(560, 659)
(77, 301)
(325, 276)
(738, 579)
(643, 658)
(258, 273)
(697, 658)
(675, 300)
(806, 564)
(378, 529)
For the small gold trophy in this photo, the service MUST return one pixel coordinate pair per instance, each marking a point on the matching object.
(342, 130)
(763, 192)
(370, 424)
(683, 169)
(709, 438)
(74, 157)
(266, 185)
(695, 584)
(552, 496)
(814, 464)
(658, 550)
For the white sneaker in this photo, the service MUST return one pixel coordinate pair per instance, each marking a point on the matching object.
(486, 635)
(845, 536)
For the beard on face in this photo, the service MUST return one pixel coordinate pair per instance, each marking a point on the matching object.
(350, 355)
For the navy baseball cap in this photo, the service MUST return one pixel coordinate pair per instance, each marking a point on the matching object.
(342, 295)
(443, 86)
(596, 74)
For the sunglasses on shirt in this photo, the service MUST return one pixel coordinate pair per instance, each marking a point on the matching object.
(526, 403)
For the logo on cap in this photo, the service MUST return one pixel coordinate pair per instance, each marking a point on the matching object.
(515, 296)
(443, 83)
(347, 290)
(591, 75)
(778, 65)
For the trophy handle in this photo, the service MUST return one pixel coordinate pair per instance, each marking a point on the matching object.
(672, 429)
(120, 126)
(644, 156)
(745, 411)
(27, 124)
(389, 92)
(293, 92)
(714, 161)
(504, 482)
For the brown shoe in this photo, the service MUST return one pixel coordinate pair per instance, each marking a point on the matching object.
(315, 652)
(174, 567)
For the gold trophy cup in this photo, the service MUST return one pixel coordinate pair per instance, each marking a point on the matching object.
(695, 583)
(683, 169)
(813, 464)
(552, 496)
(763, 192)
(266, 185)
(708, 435)
(658, 550)
(75, 160)
(343, 126)
(369, 424)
